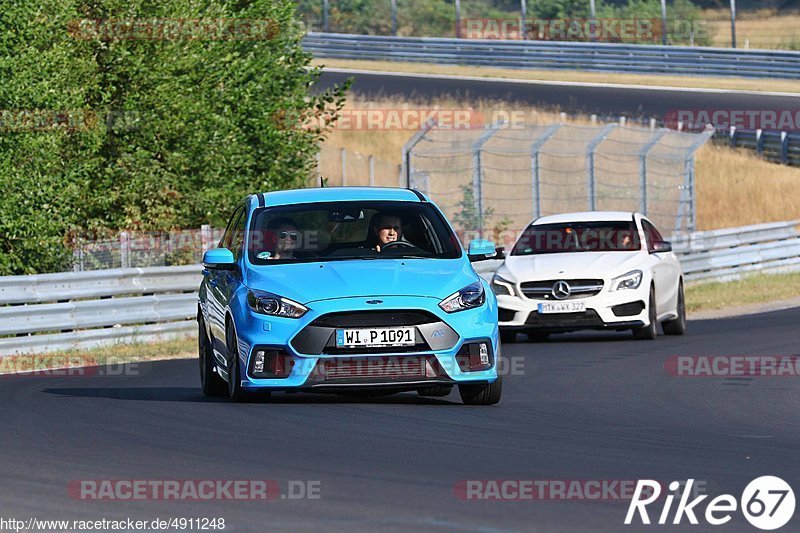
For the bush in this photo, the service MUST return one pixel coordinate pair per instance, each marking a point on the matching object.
(168, 134)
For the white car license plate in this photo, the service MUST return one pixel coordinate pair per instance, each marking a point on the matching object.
(375, 337)
(562, 307)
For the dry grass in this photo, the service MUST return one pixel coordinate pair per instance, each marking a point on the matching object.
(734, 188)
(664, 80)
(764, 28)
(116, 354)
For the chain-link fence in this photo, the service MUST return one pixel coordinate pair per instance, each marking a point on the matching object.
(500, 177)
(146, 249)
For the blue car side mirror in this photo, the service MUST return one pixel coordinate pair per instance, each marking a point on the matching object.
(219, 259)
(481, 249)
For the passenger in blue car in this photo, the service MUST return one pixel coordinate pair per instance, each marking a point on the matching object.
(284, 231)
(385, 228)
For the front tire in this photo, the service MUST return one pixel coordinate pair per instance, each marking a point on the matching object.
(649, 332)
(678, 325)
(508, 336)
(235, 390)
(481, 394)
(210, 382)
(535, 336)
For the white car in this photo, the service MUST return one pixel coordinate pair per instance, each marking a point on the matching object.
(593, 270)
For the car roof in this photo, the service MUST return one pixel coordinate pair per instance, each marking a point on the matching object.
(339, 194)
(587, 216)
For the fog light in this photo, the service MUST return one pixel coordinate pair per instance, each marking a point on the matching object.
(474, 357)
(258, 367)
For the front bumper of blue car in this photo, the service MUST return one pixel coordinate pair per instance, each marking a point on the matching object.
(450, 348)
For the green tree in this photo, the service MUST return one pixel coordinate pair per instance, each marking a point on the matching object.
(177, 128)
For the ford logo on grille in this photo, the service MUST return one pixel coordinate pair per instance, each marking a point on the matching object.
(374, 301)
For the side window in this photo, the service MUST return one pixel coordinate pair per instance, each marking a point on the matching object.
(651, 234)
(227, 237)
(238, 235)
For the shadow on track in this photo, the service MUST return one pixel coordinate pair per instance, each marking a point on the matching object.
(193, 395)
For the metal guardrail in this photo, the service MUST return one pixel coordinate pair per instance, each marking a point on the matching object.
(600, 57)
(72, 310)
(67, 311)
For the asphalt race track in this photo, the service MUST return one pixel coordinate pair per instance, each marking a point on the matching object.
(581, 407)
(604, 101)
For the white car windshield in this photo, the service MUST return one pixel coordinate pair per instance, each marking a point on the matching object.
(578, 237)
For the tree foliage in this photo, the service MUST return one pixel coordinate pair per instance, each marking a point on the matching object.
(170, 131)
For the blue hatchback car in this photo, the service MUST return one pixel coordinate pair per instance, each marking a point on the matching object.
(349, 290)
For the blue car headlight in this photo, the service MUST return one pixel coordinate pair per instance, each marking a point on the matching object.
(270, 304)
(469, 297)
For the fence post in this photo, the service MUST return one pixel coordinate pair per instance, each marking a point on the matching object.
(458, 18)
(536, 146)
(643, 168)
(125, 249)
(477, 185)
(590, 148)
(344, 167)
(394, 17)
(205, 237)
(325, 10)
(371, 171)
(405, 169)
(785, 147)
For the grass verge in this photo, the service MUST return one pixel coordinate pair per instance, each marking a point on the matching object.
(116, 354)
(662, 80)
(755, 289)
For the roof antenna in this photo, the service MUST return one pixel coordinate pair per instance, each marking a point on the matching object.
(322, 181)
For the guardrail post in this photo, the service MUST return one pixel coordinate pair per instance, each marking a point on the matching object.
(733, 136)
(643, 168)
(394, 17)
(759, 141)
(536, 146)
(590, 148)
(477, 185)
(325, 10)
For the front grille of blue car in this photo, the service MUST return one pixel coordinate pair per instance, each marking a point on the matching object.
(318, 337)
(365, 319)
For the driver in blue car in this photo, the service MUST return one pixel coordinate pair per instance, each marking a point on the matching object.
(385, 229)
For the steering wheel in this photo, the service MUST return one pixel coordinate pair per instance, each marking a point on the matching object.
(394, 244)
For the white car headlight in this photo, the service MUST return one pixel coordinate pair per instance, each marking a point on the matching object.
(469, 297)
(270, 304)
(631, 280)
(502, 286)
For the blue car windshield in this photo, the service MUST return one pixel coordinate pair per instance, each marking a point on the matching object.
(350, 230)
